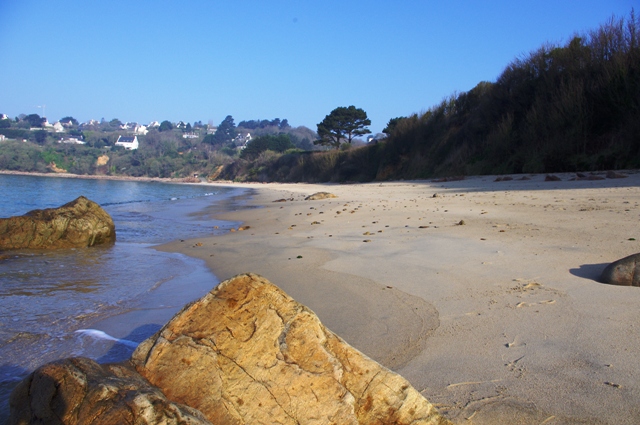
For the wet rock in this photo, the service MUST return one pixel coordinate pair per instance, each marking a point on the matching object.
(80, 223)
(624, 272)
(80, 391)
(320, 195)
(552, 178)
(248, 353)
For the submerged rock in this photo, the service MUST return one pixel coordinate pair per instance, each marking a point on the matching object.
(80, 391)
(624, 272)
(80, 223)
(246, 353)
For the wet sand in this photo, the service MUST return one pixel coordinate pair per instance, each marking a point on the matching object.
(483, 294)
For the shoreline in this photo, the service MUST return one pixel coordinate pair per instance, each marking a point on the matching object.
(103, 177)
(511, 324)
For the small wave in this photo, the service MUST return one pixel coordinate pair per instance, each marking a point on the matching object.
(125, 202)
(96, 334)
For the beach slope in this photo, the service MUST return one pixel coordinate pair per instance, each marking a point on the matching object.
(484, 294)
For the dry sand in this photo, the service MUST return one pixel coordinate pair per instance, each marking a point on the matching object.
(500, 320)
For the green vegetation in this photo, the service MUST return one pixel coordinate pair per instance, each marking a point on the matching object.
(562, 108)
(275, 143)
(342, 124)
(170, 150)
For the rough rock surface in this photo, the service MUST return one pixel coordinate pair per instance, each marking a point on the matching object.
(80, 391)
(80, 223)
(246, 353)
(625, 272)
(320, 195)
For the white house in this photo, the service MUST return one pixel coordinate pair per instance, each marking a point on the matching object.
(129, 142)
(71, 140)
(140, 130)
(58, 127)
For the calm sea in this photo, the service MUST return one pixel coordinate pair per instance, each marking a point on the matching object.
(99, 302)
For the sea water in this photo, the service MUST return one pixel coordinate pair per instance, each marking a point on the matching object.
(99, 302)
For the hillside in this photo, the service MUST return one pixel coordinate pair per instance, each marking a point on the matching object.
(571, 107)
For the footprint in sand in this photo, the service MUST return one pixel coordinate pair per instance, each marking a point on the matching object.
(524, 304)
(531, 287)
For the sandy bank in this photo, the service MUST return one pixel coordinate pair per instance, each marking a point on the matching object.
(496, 320)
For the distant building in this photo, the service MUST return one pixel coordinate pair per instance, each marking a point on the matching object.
(58, 127)
(154, 124)
(242, 140)
(190, 136)
(140, 130)
(128, 142)
(2, 137)
(71, 140)
(4, 117)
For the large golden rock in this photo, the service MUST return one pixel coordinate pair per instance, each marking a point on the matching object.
(79, 391)
(80, 223)
(247, 353)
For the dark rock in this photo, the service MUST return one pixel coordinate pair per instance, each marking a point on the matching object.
(624, 272)
(614, 175)
(552, 178)
(80, 391)
(78, 224)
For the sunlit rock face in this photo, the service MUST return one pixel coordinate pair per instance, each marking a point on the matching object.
(248, 353)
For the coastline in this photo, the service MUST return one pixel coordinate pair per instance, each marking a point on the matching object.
(497, 320)
(99, 177)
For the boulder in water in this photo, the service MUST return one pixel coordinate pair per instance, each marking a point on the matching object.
(80, 391)
(246, 353)
(80, 223)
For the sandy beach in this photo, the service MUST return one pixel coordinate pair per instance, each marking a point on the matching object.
(482, 293)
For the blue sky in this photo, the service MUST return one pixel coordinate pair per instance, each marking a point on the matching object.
(202, 60)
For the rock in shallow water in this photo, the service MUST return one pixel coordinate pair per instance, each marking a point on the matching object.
(246, 353)
(80, 391)
(78, 224)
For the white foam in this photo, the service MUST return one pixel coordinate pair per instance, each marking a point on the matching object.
(94, 333)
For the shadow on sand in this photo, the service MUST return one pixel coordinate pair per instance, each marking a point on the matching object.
(589, 271)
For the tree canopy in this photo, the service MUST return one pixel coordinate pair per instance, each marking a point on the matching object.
(256, 124)
(225, 133)
(391, 125)
(165, 126)
(69, 120)
(342, 124)
(276, 143)
(35, 120)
